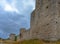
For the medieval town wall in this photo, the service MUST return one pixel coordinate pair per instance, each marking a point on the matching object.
(45, 21)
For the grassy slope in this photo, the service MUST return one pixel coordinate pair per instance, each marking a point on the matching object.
(36, 42)
(31, 42)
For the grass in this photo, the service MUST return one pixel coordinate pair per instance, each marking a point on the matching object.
(30, 42)
(35, 41)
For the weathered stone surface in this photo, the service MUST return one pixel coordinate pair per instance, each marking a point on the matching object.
(12, 37)
(45, 21)
(24, 34)
(18, 37)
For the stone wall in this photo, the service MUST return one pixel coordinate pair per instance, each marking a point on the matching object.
(18, 37)
(12, 37)
(24, 34)
(33, 25)
(45, 21)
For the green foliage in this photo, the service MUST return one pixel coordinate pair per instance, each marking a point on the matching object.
(15, 38)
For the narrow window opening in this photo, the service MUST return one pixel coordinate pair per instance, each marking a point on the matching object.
(48, 24)
(58, 2)
(47, 7)
(56, 22)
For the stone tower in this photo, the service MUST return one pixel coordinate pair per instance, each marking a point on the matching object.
(24, 34)
(12, 37)
(47, 20)
(32, 19)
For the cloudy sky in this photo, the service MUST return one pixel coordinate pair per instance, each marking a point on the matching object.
(14, 14)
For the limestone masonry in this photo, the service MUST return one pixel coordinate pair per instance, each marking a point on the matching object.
(45, 21)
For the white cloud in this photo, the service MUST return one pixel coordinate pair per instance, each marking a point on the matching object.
(23, 5)
(11, 7)
(8, 7)
(29, 3)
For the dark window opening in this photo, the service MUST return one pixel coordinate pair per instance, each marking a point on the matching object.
(21, 35)
(56, 22)
(58, 2)
(48, 24)
(46, 6)
(36, 32)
